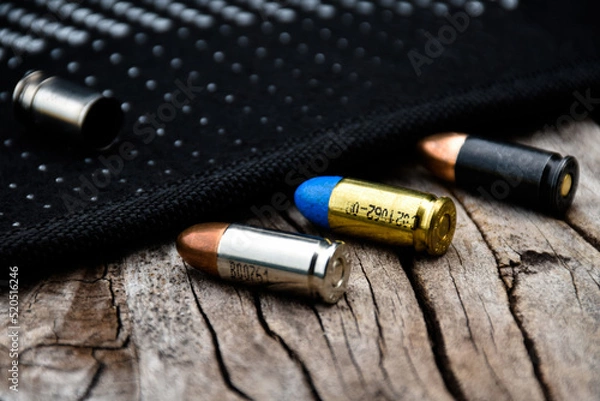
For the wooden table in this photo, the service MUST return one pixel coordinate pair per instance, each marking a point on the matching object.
(512, 311)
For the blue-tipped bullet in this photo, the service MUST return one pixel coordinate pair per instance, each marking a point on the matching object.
(312, 198)
(394, 215)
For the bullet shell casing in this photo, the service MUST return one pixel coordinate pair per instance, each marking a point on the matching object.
(302, 264)
(43, 102)
(526, 175)
(394, 215)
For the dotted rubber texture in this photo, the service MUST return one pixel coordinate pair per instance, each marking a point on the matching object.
(230, 104)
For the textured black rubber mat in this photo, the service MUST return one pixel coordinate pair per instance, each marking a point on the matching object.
(231, 104)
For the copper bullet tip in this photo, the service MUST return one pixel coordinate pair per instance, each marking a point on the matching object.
(440, 151)
(198, 245)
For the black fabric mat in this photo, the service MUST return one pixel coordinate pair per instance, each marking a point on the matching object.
(231, 104)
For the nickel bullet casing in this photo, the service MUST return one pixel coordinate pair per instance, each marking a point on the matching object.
(302, 264)
(48, 102)
(504, 171)
(394, 215)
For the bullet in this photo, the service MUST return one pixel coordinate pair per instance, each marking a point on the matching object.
(303, 264)
(394, 215)
(503, 171)
(47, 103)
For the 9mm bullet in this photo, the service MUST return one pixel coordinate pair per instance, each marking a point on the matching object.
(298, 263)
(503, 171)
(394, 215)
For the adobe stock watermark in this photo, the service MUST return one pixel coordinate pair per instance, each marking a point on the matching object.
(332, 149)
(13, 329)
(144, 128)
(501, 188)
(579, 110)
(436, 45)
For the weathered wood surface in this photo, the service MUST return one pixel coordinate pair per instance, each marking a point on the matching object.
(511, 312)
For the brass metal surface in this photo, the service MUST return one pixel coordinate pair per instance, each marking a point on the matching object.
(394, 215)
(566, 185)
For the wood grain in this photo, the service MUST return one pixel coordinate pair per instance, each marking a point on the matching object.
(477, 337)
(511, 312)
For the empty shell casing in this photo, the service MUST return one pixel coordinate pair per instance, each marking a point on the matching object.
(298, 263)
(394, 215)
(48, 102)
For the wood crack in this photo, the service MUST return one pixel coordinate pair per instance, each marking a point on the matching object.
(136, 369)
(36, 293)
(330, 347)
(215, 339)
(462, 304)
(584, 235)
(563, 264)
(434, 330)
(512, 304)
(293, 355)
(352, 313)
(237, 292)
(381, 340)
(575, 288)
(413, 367)
(528, 341)
(56, 337)
(352, 356)
(495, 376)
(79, 346)
(76, 280)
(490, 321)
(95, 378)
(380, 337)
(117, 308)
(593, 279)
